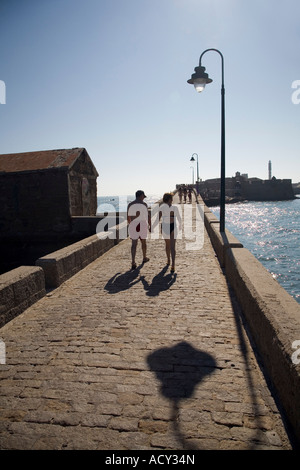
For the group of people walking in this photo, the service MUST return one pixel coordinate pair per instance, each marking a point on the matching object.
(139, 220)
(185, 192)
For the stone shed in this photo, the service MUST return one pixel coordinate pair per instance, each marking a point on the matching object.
(41, 191)
(41, 194)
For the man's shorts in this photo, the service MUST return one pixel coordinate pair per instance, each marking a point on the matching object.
(138, 230)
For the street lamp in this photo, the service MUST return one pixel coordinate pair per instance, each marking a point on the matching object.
(192, 160)
(199, 79)
(197, 181)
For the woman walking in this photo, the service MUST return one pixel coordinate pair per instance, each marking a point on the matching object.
(170, 215)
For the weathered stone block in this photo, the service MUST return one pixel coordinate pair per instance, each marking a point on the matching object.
(19, 289)
(63, 264)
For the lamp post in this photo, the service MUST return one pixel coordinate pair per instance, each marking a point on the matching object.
(199, 79)
(192, 174)
(192, 160)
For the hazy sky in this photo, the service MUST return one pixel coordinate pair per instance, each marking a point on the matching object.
(111, 76)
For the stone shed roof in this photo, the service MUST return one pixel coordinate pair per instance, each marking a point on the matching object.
(40, 160)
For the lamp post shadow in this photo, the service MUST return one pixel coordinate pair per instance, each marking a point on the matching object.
(180, 369)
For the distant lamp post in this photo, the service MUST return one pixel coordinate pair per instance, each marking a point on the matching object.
(199, 79)
(192, 160)
(192, 174)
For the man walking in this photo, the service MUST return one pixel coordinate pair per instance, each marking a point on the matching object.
(139, 221)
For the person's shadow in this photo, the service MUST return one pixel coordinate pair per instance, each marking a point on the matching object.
(180, 369)
(120, 282)
(159, 283)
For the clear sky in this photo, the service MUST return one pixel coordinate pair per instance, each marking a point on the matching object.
(111, 76)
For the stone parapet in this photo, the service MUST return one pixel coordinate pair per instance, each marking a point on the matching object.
(221, 242)
(272, 316)
(19, 289)
(23, 286)
(63, 264)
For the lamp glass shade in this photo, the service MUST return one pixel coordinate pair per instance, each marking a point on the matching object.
(199, 84)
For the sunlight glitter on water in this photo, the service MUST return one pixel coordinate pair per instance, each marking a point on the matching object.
(271, 231)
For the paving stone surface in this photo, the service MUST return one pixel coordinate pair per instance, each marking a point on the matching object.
(144, 359)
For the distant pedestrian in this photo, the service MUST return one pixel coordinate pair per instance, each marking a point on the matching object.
(139, 221)
(190, 195)
(180, 194)
(184, 193)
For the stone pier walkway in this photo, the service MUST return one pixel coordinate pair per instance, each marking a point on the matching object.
(127, 360)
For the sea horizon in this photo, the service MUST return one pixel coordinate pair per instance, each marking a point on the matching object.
(119, 203)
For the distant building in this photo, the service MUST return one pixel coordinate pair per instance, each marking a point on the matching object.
(41, 191)
(296, 188)
(244, 188)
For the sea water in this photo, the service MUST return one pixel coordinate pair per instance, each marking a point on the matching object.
(271, 232)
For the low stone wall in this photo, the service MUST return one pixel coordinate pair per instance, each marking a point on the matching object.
(19, 289)
(23, 286)
(272, 315)
(220, 241)
(63, 264)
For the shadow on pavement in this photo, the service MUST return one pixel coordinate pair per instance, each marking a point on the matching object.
(243, 332)
(123, 281)
(159, 283)
(180, 369)
(120, 282)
